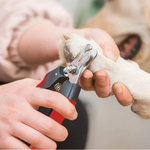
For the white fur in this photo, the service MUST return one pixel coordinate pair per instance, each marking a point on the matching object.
(124, 71)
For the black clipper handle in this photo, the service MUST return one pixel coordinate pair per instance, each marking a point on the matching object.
(68, 89)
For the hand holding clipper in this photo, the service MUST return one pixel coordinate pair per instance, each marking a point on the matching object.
(65, 81)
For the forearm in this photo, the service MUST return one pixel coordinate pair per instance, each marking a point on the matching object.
(38, 44)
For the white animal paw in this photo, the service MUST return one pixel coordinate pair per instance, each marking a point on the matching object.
(124, 71)
(142, 108)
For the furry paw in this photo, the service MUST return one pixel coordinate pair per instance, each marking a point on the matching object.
(124, 71)
(71, 44)
(142, 108)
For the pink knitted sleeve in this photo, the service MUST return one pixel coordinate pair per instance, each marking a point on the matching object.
(15, 17)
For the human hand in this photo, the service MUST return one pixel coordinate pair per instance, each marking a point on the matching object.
(20, 120)
(101, 84)
(53, 34)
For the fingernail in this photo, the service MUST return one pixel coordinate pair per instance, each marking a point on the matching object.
(86, 75)
(119, 89)
(111, 55)
(75, 115)
(101, 77)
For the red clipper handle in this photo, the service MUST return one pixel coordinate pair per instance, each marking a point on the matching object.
(57, 116)
(70, 91)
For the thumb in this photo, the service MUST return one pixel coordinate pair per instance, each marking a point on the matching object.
(106, 42)
(109, 47)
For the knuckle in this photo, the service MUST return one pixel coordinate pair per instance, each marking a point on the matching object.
(102, 94)
(27, 80)
(35, 139)
(48, 127)
(21, 91)
(87, 88)
(100, 85)
(98, 31)
(50, 98)
(102, 81)
(12, 109)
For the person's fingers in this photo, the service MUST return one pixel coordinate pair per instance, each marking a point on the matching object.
(51, 99)
(44, 125)
(122, 94)
(86, 81)
(11, 142)
(109, 48)
(102, 83)
(33, 137)
(28, 82)
(106, 42)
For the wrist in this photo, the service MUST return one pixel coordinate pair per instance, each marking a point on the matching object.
(36, 45)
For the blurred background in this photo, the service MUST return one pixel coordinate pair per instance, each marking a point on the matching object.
(81, 11)
(111, 126)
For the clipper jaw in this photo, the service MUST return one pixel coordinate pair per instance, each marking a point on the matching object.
(81, 62)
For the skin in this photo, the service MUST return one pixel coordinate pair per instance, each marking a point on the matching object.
(20, 100)
(42, 50)
(101, 85)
